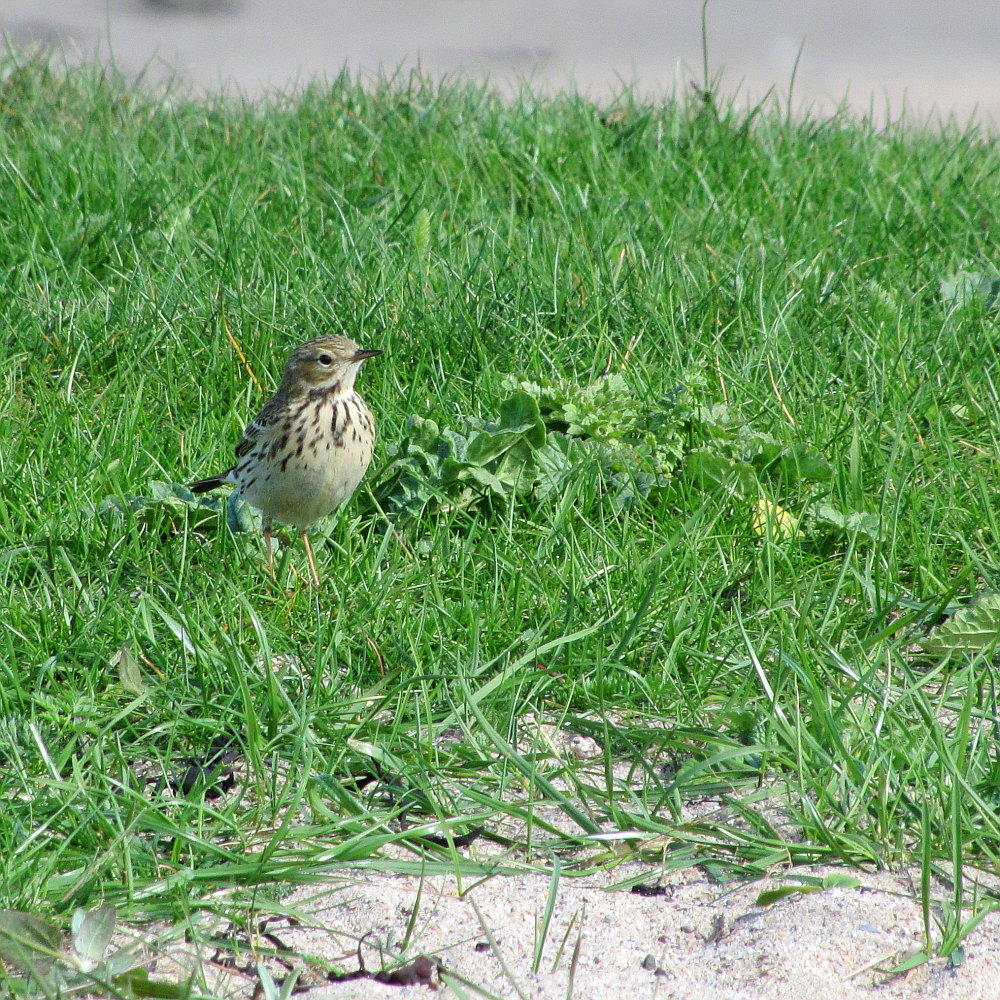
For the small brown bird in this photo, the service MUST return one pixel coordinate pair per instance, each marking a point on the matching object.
(307, 449)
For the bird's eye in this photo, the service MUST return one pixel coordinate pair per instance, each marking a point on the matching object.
(325, 359)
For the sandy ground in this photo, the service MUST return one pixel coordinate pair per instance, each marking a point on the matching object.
(931, 56)
(697, 941)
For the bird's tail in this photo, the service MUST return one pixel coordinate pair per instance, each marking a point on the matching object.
(204, 485)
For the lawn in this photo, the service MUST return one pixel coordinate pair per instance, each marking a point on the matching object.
(687, 442)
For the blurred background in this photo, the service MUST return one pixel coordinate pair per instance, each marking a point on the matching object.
(931, 58)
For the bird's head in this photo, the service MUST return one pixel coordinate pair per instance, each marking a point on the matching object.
(326, 363)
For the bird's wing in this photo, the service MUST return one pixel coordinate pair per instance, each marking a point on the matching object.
(249, 439)
(257, 427)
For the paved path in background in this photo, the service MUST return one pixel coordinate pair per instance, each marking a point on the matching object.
(937, 57)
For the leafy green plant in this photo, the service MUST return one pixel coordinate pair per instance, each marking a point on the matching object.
(34, 947)
(547, 431)
(173, 507)
(168, 503)
(608, 410)
(455, 468)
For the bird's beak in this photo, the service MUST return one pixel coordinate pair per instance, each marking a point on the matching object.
(361, 355)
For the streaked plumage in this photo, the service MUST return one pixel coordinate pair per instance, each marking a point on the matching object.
(307, 449)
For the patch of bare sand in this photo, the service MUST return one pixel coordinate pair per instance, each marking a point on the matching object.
(697, 941)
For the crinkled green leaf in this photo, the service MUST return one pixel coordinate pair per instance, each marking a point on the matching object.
(760, 449)
(803, 461)
(518, 469)
(711, 472)
(240, 516)
(452, 445)
(520, 413)
(716, 419)
(973, 629)
(853, 522)
(169, 491)
(555, 462)
(172, 501)
(451, 471)
(484, 447)
(796, 462)
(423, 433)
(485, 478)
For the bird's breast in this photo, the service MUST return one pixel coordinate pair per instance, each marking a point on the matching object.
(310, 460)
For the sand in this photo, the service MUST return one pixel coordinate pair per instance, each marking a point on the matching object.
(697, 941)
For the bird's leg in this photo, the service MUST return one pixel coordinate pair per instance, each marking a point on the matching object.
(309, 554)
(266, 524)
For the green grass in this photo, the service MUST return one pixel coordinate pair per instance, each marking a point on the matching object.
(790, 270)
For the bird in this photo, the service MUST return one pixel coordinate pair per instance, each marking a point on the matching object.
(308, 448)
